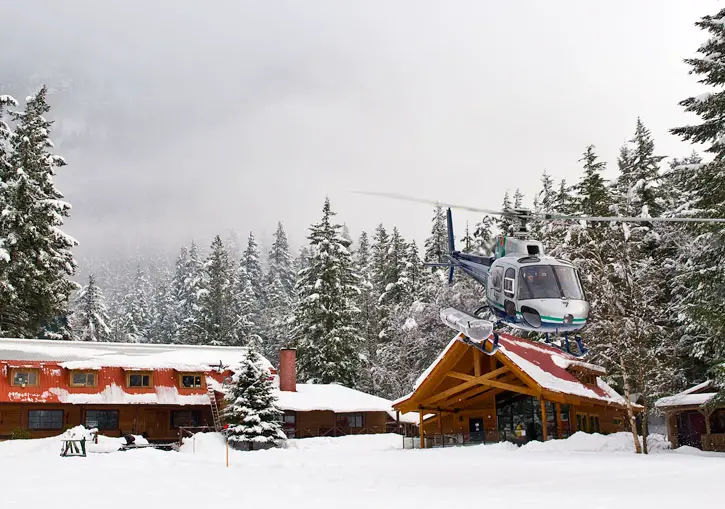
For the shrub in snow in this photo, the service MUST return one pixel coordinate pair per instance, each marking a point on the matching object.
(251, 412)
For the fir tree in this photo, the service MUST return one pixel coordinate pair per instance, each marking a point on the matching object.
(251, 264)
(436, 245)
(325, 318)
(483, 236)
(702, 271)
(36, 259)
(252, 412)
(468, 241)
(280, 262)
(7, 290)
(90, 319)
(592, 195)
(367, 318)
(379, 259)
(188, 288)
(136, 320)
(163, 328)
(218, 320)
(506, 224)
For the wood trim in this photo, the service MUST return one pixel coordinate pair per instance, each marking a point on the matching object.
(483, 380)
(462, 387)
(544, 422)
(191, 373)
(25, 370)
(559, 424)
(447, 363)
(477, 391)
(476, 362)
(131, 373)
(85, 371)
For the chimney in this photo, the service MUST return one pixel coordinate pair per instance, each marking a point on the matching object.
(288, 370)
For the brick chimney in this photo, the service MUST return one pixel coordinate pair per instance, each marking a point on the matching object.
(288, 370)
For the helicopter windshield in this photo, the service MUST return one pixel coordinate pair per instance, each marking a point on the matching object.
(549, 282)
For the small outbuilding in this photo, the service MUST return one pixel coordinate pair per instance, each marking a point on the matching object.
(693, 419)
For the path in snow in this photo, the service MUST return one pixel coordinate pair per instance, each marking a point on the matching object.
(362, 471)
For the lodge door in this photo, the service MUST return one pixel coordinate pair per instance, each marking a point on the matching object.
(152, 423)
(475, 428)
(691, 427)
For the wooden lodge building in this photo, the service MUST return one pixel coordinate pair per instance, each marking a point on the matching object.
(524, 391)
(154, 390)
(313, 410)
(693, 420)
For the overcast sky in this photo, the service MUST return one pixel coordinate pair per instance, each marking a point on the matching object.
(183, 119)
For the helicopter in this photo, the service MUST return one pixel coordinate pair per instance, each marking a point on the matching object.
(525, 289)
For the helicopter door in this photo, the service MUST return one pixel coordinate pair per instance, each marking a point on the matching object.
(494, 289)
(509, 291)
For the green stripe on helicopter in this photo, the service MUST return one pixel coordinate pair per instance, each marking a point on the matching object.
(550, 319)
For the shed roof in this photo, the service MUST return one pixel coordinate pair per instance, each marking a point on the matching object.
(337, 398)
(698, 395)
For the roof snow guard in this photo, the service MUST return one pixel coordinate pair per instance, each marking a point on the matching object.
(544, 370)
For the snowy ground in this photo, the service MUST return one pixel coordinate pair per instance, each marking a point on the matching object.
(362, 471)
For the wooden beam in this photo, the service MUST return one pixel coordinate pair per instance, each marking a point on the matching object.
(484, 380)
(559, 426)
(476, 391)
(420, 429)
(544, 430)
(476, 362)
(492, 360)
(462, 387)
(448, 362)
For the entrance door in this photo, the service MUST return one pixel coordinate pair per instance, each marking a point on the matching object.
(475, 428)
(691, 428)
(151, 423)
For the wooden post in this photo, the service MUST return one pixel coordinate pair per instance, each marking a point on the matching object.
(559, 427)
(226, 442)
(476, 362)
(544, 431)
(440, 428)
(420, 429)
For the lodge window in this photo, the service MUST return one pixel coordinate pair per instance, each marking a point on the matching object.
(349, 420)
(185, 419)
(139, 380)
(83, 379)
(581, 423)
(25, 377)
(102, 419)
(593, 424)
(190, 380)
(289, 419)
(508, 282)
(45, 419)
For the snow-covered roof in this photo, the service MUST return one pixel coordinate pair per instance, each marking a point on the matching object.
(546, 365)
(694, 396)
(337, 398)
(91, 355)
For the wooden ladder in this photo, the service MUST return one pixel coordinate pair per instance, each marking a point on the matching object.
(214, 409)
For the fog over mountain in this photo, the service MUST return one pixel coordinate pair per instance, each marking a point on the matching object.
(180, 120)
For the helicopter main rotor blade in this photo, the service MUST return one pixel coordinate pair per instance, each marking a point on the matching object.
(396, 196)
(625, 219)
(528, 214)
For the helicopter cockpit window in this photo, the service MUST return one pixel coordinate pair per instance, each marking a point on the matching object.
(508, 282)
(549, 282)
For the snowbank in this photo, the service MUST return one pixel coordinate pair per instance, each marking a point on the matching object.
(379, 442)
(52, 445)
(594, 442)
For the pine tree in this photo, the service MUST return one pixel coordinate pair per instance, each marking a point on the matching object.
(280, 262)
(436, 245)
(468, 241)
(7, 290)
(188, 289)
(702, 271)
(518, 199)
(252, 412)
(592, 195)
(218, 320)
(483, 236)
(379, 259)
(90, 319)
(36, 260)
(251, 263)
(325, 318)
(164, 325)
(367, 318)
(506, 224)
(136, 320)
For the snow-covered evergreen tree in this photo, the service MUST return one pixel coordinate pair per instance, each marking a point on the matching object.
(483, 236)
(90, 319)
(188, 289)
(252, 412)
(251, 264)
(367, 318)
(164, 325)
(506, 224)
(280, 262)
(702, 267)
(436, 245)
(135, 323)
(36, 259)
(218, 320)
(7, 290)
(325, 321)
